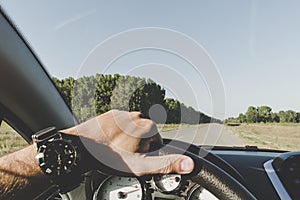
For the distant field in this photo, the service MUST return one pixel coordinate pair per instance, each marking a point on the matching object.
(271, 136)
(10, 141)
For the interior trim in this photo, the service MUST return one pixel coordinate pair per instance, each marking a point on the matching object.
(281, 191)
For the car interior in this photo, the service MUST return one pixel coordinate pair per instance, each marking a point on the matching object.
(29, 102)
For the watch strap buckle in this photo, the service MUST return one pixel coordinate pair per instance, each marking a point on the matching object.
(44, 134)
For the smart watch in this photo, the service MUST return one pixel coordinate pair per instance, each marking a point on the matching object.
(59, 157)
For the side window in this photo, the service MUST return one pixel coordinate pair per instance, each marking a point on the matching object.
(10, 140)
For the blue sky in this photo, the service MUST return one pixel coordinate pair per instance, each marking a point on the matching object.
(254, 44)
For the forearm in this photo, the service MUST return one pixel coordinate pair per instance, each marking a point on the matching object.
(20, 175)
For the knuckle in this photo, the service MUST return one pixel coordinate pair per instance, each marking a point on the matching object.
(149, 125)
(136, 114)
(112, 111)
(167, 166)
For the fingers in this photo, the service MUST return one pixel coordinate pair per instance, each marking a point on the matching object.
(162, 164)
(136, 114)
(132, 124)
(150, 144)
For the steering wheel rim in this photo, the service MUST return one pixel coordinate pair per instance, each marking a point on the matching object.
(211, 177)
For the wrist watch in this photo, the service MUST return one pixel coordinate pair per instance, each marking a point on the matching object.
(59, 156)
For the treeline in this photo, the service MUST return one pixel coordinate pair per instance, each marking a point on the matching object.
(264, 114)
(93, 95)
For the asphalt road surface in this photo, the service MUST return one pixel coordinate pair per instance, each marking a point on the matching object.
(205, 134)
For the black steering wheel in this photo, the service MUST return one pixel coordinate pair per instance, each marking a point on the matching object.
(207, 174)
(211, 172)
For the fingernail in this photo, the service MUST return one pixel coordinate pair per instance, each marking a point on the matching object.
(187, 165)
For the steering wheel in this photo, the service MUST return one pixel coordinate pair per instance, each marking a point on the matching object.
(211, 172)
(210, 176)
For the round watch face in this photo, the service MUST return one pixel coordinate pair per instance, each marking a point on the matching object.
(57, 157)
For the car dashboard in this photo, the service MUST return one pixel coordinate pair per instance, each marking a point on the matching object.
(266, 174)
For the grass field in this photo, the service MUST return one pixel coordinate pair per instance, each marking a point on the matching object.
(10, 141)
(271, 136)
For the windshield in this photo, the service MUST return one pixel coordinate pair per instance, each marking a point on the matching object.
(219, 73)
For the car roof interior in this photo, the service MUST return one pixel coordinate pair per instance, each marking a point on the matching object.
(28, 96)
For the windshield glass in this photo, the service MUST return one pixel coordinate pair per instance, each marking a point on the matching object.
(219, 73)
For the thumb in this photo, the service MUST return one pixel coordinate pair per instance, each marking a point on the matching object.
(174, 163)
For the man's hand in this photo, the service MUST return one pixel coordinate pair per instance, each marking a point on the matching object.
(128, 135)
(120, 139)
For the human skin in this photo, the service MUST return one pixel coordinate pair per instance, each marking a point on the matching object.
(124, 134)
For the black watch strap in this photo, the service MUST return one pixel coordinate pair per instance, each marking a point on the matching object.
(50, 140)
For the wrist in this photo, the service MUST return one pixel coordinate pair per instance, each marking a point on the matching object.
(70, 131)
(60, 157)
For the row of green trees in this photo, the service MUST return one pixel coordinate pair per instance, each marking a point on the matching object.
(89, 96)
(264, 114)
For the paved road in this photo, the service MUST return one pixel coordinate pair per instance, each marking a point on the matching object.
(208, 134)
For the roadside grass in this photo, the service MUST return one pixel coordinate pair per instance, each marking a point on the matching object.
(284, 136)
(170, 127)
(10, 140)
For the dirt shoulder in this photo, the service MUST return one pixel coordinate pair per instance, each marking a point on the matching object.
(271, 136)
